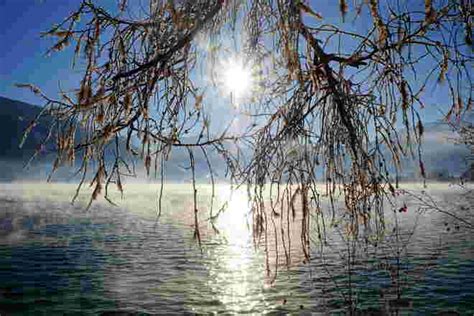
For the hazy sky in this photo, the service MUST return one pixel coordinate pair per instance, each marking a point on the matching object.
(22, 56)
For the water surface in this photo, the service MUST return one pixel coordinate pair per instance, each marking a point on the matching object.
(56, 257)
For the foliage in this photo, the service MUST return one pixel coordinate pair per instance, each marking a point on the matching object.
(326, 110)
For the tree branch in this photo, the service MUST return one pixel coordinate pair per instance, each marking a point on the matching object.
(163, 58)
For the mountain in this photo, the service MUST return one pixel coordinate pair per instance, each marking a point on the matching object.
(15, 116)
(442, 156)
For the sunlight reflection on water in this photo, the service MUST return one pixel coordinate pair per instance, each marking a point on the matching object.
(115, 259)
(235, 221)
(233, 273)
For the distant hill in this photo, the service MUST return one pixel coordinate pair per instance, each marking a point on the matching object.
(442, 157)
(15, 116)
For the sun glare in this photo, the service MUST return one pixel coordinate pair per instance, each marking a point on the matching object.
(237, 78)
(234, 220)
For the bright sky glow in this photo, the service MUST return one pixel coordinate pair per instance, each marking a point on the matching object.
(24, 59)
(237, 78)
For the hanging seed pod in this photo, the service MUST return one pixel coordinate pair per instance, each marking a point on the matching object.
(121, 49)
(404, 93)
(119, 185)
(381, 27)
(468, 34)
(107, 133)
(444, 67)
(459, 106)
(127, 103)
(420, 128)
(144, 111)
(60, 143)
(100, 116)
(97, 29)
(198, 102)
(84, 94)
(343, 8)
(71, 155)
(147, 164)
(99, 94)
(97, 190)
(401, 33)
(430, 13)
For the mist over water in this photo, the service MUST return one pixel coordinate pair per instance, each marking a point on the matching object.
(57, 257)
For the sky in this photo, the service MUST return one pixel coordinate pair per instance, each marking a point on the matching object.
(23, 59)
(22, 56)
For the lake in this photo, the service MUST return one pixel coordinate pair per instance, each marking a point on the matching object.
(58, 258)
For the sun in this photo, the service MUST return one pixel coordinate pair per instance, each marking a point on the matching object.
(237, 78)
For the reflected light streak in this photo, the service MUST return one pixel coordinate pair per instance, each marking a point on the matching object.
(237, 274)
